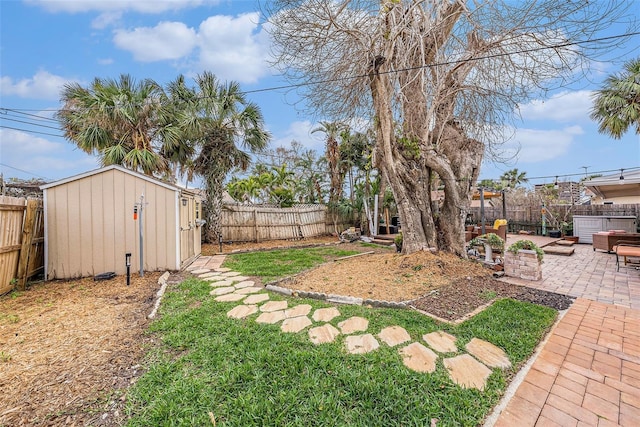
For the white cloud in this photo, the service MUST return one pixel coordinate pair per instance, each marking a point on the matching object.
(536, 145)
(105, 61)
(41, 157)
(562, 107)
(167, 40)
(42, 85)
(106, 19)
(300, 131)
(143, 6)
(233, 48)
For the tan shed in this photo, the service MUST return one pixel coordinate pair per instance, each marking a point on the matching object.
(90, 226)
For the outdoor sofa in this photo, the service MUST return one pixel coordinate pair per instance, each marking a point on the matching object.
(606, 240)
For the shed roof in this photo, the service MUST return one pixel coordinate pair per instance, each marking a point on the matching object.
(106, 169)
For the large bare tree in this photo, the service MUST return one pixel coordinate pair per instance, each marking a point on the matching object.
(440, 80)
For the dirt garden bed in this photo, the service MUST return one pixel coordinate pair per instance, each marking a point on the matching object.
(70, 349)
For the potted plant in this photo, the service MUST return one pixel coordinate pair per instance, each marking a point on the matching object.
(567, 232)
(489, 242)
(526, 245)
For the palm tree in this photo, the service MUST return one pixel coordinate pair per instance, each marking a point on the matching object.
(616, 106)
(219, 122)
(514, 177)
(332, 131)
(123, 122)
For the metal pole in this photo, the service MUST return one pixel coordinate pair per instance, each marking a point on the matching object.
(375, 216)
(141, 237)
(504, 205)
(544, 220)
(482, 210)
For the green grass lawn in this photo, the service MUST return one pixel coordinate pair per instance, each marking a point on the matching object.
(272, 265)
(250, 374)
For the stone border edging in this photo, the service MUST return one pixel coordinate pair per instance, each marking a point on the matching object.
(162, 280)
(339, 299)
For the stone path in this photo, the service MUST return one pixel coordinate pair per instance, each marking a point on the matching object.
(468, 369)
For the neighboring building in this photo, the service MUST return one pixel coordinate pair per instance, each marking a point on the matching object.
(568, 191)
(619, 188)
(90, 225)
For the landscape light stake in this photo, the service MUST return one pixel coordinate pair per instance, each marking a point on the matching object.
(220, 241)
(127, 259)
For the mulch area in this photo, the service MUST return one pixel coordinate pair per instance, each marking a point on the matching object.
(70, 349)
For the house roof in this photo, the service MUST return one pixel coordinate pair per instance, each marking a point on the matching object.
(609, 186)
(106, 169)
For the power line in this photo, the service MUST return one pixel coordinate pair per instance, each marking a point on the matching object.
(437, 64)
(29, 123)
(7, 110)
(458, 61)
(24, 171)
(30, 131)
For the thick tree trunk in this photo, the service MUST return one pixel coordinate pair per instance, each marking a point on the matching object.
(213, 209)
(409, 184)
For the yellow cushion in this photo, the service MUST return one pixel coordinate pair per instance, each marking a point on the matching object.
(498, 222)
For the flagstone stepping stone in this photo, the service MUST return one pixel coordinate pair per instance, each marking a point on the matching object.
(244, 284)
(271, 317)
(488, 353)
(251, 290)
(394, 335)
(418, 357)
(217, 279)
(223, 283)
(441, 341)
(353, 324)
(200, 271)
(298, 310)
(325, 314)
(256, 298)
(323, 334)
(295, 324)
(230, 298)
(239, 278)
(467, 372)
(222, 291)
(209, 275)
(222, 269)
(274, 306)
(242, 311)
(361, 344)
(230, 273)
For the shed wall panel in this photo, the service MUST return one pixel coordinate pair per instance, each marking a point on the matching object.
(91, 225)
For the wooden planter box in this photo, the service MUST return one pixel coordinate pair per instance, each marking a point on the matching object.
(523, 265)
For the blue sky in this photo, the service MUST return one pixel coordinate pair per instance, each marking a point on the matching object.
(47, 43)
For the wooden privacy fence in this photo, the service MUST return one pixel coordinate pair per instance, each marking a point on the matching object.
(241, 223)
(534, 213)
(21, 241)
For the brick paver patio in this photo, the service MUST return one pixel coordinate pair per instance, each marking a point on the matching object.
(587, 374)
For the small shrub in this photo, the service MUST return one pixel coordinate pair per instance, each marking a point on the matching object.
(491, 239)
(527, 245)
(398, 241)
